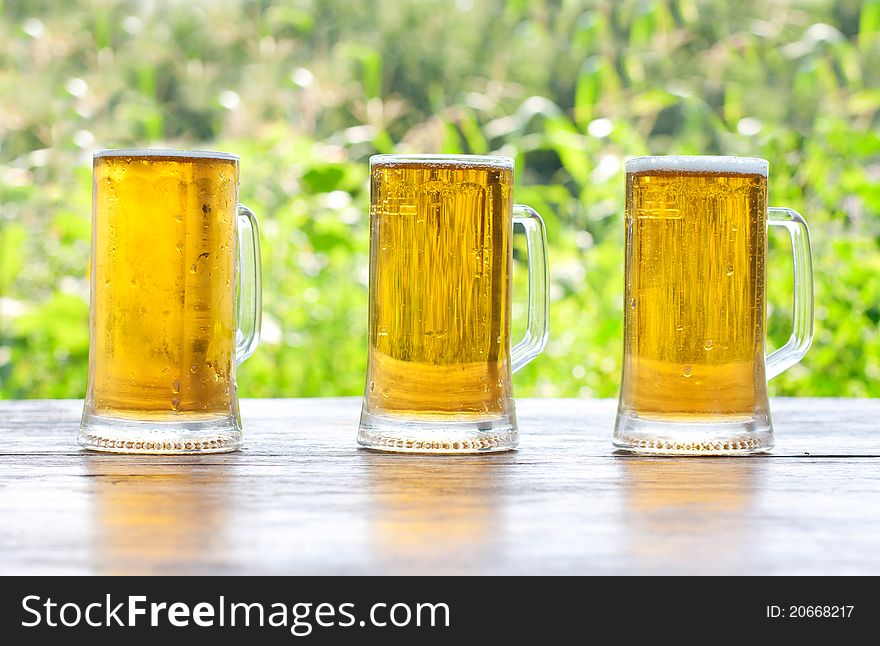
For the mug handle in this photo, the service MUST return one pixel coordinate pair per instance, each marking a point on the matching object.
(802, 309)
(539, 289)
(248, 302)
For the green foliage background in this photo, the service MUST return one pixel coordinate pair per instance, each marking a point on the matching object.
(306, 90)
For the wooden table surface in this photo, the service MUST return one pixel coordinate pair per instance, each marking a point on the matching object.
(303, 499)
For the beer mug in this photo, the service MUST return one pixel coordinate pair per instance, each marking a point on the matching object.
(440, 362)
(175, 302)
(694, 368)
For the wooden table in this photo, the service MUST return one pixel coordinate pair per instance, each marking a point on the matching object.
(303, 499)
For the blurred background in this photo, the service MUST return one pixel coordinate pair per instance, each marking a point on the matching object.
(306, 90)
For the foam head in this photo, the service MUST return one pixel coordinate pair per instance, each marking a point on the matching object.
(165, 153)
(699, 164)
(455, 161)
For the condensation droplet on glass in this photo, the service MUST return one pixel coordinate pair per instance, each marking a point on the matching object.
(133, 282)
(730, 270)
(175, 403)
(679, 328)
(688, 371)
(708, 344)
(192, 269)
(175, 387)
(632, 303)
(194, 368)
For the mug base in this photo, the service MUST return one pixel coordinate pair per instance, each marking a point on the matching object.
(388, 434)
(636, 434)
(120, 435)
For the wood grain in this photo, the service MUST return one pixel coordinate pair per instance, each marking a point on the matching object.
(303, 499)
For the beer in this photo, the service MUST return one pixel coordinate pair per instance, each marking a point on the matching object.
(163, 280)
(439, 339)
(694, 294)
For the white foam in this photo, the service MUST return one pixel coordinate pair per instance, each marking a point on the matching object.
(493, 161)
(164, 152)
(699, 164)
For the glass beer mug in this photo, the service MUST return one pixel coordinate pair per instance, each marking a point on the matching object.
(694, 368)
(440, 361)
(175, 302)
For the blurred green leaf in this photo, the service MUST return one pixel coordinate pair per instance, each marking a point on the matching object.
(12, 235)
(869, 21)
(324, 178)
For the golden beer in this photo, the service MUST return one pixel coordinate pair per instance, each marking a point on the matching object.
(694, 330)
(175, 303)
(440, 306)
(164, 277)
(694, 367)
(439, 362)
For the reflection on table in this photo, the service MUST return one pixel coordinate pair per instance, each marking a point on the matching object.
(687, 514)
(444, 511)
(158, 518)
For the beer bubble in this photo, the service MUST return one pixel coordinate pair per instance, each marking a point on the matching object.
(688, 371)
(708, 344)
(133, 282)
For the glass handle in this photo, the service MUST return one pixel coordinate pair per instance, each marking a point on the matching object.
(802, 311)
(539, 289)
(248, 305)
